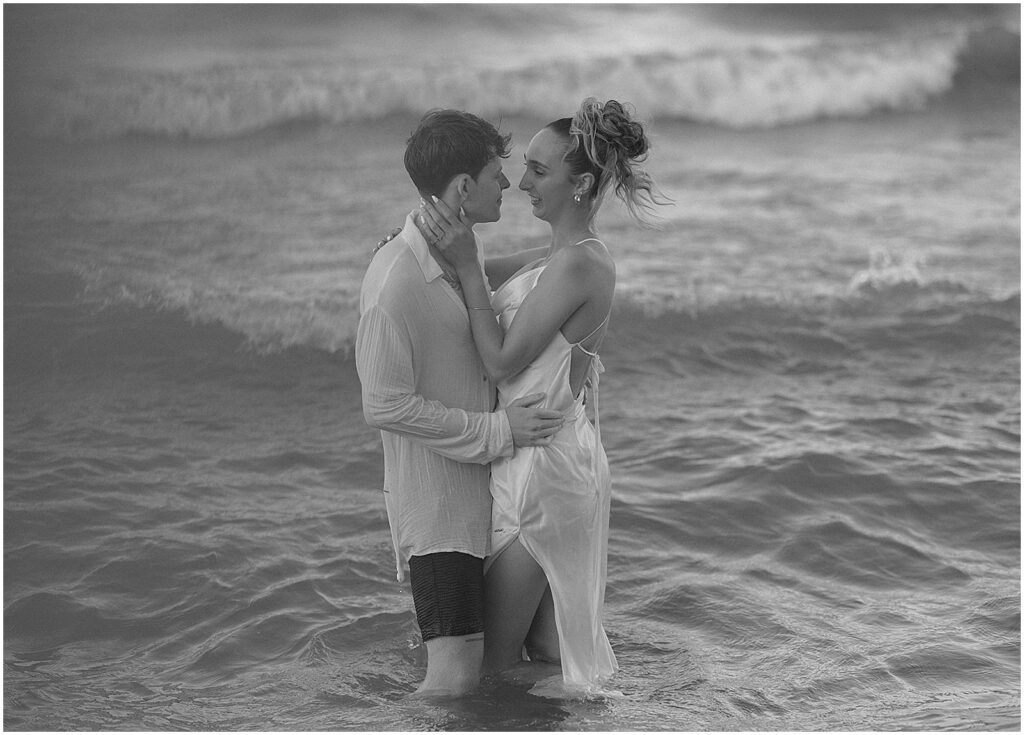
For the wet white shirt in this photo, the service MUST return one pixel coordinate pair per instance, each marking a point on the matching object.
(425, 388)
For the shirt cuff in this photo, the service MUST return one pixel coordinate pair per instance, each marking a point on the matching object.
(503, 434)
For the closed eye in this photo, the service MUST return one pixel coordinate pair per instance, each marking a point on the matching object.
(537, 168)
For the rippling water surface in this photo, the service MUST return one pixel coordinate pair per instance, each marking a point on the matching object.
(811, 409)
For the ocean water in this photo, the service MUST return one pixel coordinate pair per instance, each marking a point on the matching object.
(811, 409)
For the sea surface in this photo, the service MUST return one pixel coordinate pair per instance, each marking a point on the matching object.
(811, 405)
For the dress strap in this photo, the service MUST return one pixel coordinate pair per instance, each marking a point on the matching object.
(607, 317)
(593, 387)
(592, 383)
(583, 349)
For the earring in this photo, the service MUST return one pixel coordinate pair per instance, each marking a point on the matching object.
(577, 198)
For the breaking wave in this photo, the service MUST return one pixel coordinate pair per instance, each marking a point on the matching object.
(753, 87)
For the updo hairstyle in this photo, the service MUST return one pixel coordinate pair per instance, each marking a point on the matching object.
(605, 141)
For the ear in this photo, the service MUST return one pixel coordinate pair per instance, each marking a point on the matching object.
(458, 188)
(584, 184)
(462, 184)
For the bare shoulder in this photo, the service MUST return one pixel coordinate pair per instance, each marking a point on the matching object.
(589, 260)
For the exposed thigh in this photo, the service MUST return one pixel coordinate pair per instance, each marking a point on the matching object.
(513, 587)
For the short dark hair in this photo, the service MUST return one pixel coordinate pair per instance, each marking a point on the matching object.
(447, 143)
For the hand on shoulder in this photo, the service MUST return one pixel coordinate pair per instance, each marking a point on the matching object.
(387, 238)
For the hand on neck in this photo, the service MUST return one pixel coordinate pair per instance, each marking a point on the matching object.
(452, 198)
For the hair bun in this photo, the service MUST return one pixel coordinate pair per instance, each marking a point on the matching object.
(634, 141)
(612, 123)
(608, 144)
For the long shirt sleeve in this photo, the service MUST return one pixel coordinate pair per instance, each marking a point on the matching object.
(391, 403)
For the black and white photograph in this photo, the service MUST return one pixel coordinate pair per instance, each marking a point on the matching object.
(611, 367)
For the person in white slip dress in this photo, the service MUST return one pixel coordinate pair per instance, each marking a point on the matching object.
(545, 575)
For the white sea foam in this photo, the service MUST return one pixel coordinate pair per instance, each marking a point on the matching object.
(751, 86)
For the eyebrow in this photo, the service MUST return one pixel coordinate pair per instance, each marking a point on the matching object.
(529, 161)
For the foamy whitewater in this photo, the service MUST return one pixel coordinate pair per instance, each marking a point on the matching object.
(811, 404)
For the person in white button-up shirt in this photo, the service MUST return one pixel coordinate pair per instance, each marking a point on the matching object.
(424, 387)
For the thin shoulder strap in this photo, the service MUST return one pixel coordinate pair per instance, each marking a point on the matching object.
(593, 381)
(607, 317)
(599, 326)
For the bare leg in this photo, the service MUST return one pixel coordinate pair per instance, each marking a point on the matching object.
(542, 640)
(453, 665)
(513, 588)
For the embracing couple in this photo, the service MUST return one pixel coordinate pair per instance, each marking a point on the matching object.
(476, 372)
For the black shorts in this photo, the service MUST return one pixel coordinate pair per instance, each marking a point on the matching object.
(448, 592)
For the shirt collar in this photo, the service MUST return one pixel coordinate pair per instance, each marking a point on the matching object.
(411, 233)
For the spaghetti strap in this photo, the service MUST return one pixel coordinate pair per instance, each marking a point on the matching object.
(588, 239)
(591, 384)
(580, 343)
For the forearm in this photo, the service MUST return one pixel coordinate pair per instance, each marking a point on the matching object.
(500, 268)
(487, 333)
(460, 435)
(391, 401)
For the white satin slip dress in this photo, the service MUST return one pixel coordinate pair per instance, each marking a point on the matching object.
(556, 499)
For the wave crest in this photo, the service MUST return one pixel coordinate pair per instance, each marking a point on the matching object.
(268, 324)
(739, 88)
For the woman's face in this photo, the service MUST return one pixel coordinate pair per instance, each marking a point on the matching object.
(547, 180)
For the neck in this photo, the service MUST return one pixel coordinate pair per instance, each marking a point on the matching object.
(452, 201)
(570, 231)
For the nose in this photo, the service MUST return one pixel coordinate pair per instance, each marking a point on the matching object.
(505, 182)
(523, 186)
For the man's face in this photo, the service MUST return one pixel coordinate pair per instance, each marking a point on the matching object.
(483, 202)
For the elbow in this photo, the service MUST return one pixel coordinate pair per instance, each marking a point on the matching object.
(378, 415)
(495, 376)
(388, 413)
(373, 418)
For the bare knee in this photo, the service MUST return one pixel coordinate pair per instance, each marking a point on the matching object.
(542, 642)
(513, 587)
